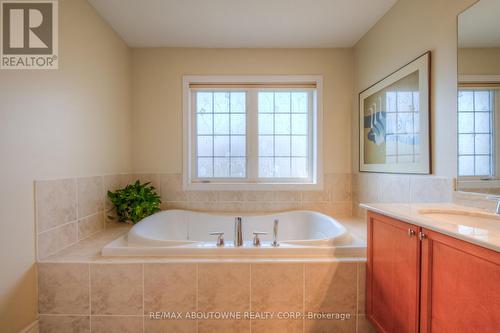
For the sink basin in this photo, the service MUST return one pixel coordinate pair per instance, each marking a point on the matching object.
(464, 218)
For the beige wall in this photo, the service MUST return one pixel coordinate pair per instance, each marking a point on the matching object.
(472, 61)
(157, 99)
(69, 122)
(408, 30)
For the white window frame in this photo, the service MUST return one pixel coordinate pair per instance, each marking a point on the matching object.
(495, 149)
(315, 181)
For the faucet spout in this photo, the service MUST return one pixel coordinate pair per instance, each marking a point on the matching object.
(238, 236)
(275, 234)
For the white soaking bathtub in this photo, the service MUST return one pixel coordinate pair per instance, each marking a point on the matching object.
(182, 233)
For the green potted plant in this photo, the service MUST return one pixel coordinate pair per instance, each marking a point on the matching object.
(134, 202)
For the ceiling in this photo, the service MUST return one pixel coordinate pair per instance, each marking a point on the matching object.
(479, 26)
(242, 23)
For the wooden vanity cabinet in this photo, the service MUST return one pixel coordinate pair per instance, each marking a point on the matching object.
(460, 286)
(420, 280)
(392, 282)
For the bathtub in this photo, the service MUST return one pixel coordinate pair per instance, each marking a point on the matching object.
(182, 233)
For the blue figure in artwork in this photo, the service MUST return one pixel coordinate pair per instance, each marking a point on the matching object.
(376, 123)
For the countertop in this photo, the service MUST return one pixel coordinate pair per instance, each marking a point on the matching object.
(479, 231)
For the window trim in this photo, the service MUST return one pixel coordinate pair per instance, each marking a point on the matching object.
(316, 181)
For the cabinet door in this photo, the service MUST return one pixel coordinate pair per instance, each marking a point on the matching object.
(460, 286)
(392, 275)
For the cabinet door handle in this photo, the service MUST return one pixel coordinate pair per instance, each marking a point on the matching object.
(422, 236)
(411, 232)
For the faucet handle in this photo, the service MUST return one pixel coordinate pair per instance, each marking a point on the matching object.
(256, 239)
(497, 199)
(220, 237)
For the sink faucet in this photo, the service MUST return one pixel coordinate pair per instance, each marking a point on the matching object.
(497, 199)
(238, 237)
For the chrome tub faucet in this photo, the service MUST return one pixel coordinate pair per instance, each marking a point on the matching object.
(238, 236)
(256, 239)
(275, 233)
(220, 238)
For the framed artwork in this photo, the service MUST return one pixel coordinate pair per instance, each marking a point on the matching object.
(394, 121)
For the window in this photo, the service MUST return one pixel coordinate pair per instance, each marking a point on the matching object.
(251, 133)
(475, 137)
(220, 134)
(284, 127)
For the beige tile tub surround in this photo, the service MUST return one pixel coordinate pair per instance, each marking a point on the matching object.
(63, 289)
(387, 188)
(89, 249)
(169, 287)
(62, 324)
(116, 289)
(327, 326)
(90, 225)
(278, 326)
(112, 301)
(118, 297)
(90, 195)
(117, 324)
(334, 199)
(214, 326)
(69, 210)
(52, 241)
(55, 202)
(224, 287)
(340, 294)
(361, 289)
(167, 326)
(277, 287)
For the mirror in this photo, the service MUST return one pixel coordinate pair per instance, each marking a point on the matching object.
(478, 151)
